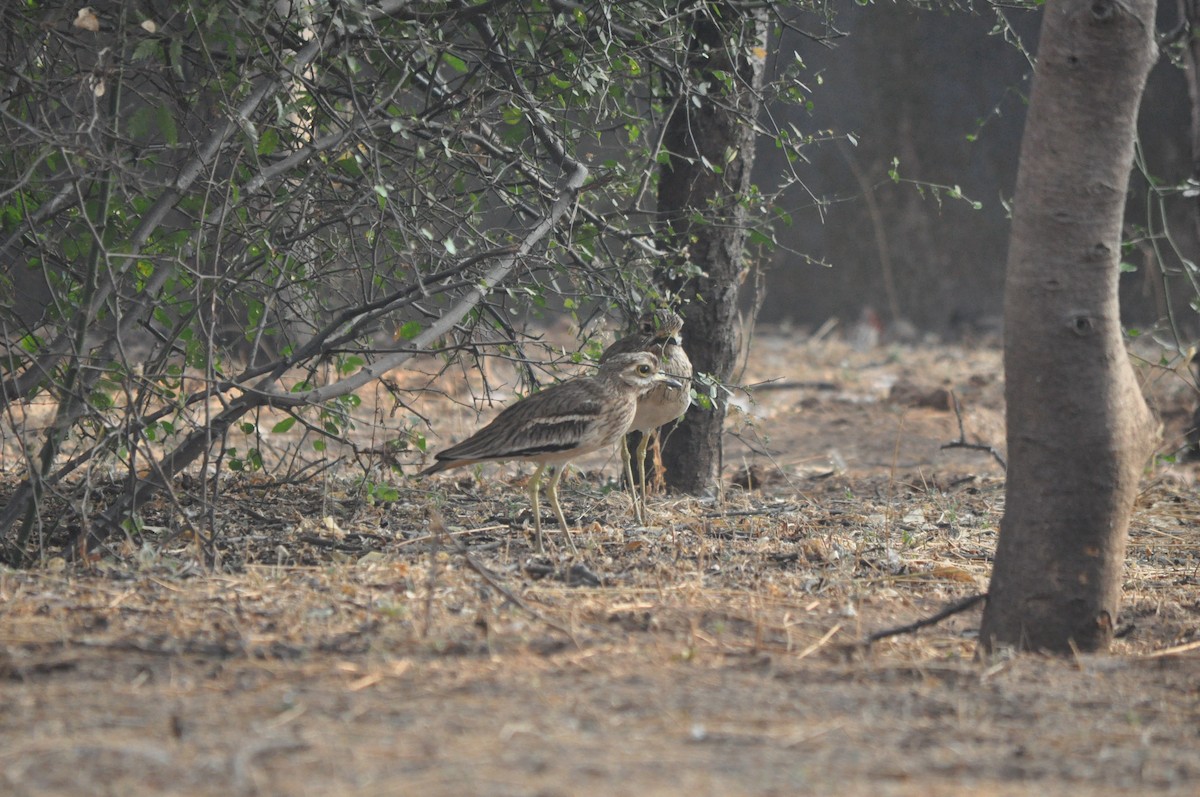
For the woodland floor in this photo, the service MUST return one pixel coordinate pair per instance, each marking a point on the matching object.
(341, 647)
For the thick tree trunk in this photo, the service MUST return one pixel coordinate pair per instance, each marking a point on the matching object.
(1189, 12)
(710, 139)
(1079, 430)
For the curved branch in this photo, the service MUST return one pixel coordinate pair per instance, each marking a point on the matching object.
(198, 440)
(505, 265)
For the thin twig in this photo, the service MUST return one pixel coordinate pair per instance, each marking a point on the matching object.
(775, 510)
(438, 527)
(1174, 650)
(792, 384)
(961, 442)
(459, 533)
(820, 643)
(955, 608)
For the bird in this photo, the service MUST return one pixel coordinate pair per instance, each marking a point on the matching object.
(560, 423)
(658, 332)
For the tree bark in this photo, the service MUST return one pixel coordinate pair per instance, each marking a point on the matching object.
(1189, 14)
(710, 139)
(1189, 11)
(1079, 430)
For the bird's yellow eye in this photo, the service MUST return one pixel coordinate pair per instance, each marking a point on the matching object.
(644, 369)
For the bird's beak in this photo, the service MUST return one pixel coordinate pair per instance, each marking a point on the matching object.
(669, 381)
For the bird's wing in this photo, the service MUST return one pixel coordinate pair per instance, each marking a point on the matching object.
(545, 434)
(553, 420)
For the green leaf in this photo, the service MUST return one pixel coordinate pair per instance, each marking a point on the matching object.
(176, 49)
(410, 330)
(515, 134)
(147, 48)
(166, 125)
(268, 142)
(758, 238)
(455, 63)
(384, 492)
(283, 426)
(254, 313)
(139, 124)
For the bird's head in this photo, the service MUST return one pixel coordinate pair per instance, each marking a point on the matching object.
(639, 370)
(661, 327)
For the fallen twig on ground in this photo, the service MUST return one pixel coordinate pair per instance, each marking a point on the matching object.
(961, 442)
(951, 610)
(437, 526)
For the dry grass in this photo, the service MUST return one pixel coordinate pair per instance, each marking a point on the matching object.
(347, 647)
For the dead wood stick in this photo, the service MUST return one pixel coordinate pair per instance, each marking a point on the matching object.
(774, 510)
(949, 611)
(961, 442)
(438, 527)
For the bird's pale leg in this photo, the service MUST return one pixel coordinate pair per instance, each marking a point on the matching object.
(643, 444)
(633, 493)
(534, 485)
(562, 521)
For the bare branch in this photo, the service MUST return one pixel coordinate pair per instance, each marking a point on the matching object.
(958, 607)
(961, 442)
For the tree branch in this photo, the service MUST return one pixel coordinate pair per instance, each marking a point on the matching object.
(949, 611)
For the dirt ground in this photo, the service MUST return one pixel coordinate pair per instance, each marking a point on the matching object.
(348, 646)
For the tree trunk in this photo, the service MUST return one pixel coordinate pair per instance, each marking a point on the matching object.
(1079, 430)
(710, 139)
(1189, 13)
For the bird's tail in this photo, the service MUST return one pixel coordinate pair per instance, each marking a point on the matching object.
(446, 464)
(436, 467)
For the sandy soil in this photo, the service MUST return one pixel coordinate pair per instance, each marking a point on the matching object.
(345, 648)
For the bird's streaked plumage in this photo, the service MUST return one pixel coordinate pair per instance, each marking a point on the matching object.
(560, 423)
(658, 333)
